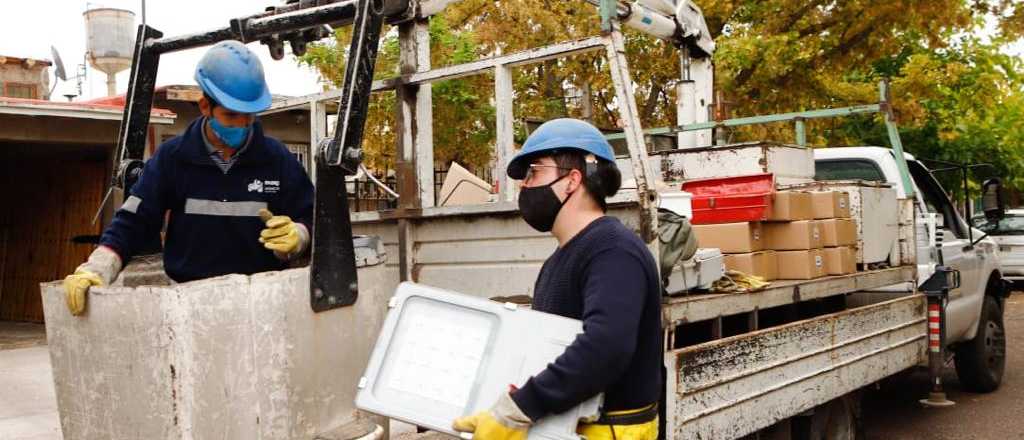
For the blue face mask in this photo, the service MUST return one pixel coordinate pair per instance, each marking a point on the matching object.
(234, 137)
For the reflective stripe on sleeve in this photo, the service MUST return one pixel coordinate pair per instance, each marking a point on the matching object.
(223, 209)
(132, 204)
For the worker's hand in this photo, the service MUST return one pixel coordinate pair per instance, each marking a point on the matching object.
(282, 235)
(100, 269)
(76, 286)
(504, 421)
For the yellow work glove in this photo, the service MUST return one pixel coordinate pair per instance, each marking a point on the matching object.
(100, 269)
(735, 281)
(282, 235)
(75, 287)
(504, 421)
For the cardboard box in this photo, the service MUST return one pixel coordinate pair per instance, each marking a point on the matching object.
(762, 264)
(791, 205)
(800, 265)
(462, 187)
(838, 232)
(830, 204)
(840, 260)
(791, 236)
(731, 238)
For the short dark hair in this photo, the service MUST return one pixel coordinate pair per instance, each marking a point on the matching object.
(213, 102)
(604, 180)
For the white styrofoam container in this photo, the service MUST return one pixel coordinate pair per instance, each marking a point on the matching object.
(441, 355)
(699, 272)
(791, 164)
(679, 202)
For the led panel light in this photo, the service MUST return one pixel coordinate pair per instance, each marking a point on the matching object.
(443, 355)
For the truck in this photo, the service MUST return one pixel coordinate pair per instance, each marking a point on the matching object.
(789, 361)
(974, 314)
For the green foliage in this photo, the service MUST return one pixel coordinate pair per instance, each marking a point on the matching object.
(956, 97)
(463, 114)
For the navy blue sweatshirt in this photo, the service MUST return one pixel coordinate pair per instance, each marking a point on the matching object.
(607, 278)
(214, 224)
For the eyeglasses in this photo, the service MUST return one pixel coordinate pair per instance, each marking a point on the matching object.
(534, 167)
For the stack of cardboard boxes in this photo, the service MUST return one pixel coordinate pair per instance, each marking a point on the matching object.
(805, 235)
(838, 231)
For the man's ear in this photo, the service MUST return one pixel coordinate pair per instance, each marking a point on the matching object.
(205, 107)
(576, 177)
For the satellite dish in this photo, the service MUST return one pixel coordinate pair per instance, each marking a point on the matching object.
(59, 71)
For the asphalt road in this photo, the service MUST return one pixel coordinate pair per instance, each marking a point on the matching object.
(892, 412)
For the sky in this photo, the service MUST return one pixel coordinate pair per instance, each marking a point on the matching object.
(29, 28)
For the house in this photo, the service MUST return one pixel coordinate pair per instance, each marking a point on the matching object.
(24, 78)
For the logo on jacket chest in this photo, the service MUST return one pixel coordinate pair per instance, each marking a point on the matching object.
(265, 186)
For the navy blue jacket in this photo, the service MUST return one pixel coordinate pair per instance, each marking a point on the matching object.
(214, 226)
(605, 276)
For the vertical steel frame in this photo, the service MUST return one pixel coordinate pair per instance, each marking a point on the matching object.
(333, 281)
(635, 140)
(333, 276)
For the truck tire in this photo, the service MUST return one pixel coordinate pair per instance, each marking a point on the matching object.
(838, 419)
(981, 361)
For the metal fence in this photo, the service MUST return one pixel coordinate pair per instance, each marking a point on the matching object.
(364, 195)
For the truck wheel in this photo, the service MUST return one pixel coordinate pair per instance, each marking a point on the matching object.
(980, 362)
(838, 419)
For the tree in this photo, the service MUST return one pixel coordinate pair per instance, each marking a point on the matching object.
(969, 108)
(463, 115)
(955, 97)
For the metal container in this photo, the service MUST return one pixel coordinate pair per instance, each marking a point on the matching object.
(110, 41)
(790, 164)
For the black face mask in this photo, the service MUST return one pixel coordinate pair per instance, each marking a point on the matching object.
(539, 206)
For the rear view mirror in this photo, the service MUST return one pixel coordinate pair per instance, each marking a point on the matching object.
(992, 199)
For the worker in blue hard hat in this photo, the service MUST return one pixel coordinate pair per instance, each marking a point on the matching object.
(221, 180)
(601, 273)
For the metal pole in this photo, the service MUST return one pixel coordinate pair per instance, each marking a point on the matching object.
(894, 138)
(801, 132)
(764, 119)
(937, 293)
(609, 11)
(967, 208)
(936, 315)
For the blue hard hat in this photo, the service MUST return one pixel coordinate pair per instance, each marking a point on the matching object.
(560, 134)
(233, 76)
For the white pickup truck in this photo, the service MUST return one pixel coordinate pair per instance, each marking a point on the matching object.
(974, 315)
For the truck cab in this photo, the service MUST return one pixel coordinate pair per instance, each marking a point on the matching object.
(974, 323)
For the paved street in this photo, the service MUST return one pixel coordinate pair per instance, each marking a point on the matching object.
(893, 413)
(28, 409)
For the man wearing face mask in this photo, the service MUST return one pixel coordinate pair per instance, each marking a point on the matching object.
(221, 180)
(602, 274)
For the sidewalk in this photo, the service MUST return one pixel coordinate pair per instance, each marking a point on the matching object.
(28, 405)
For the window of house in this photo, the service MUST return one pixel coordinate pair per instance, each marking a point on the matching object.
(20, 90)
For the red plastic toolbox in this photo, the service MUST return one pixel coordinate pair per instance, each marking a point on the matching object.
(731, 199)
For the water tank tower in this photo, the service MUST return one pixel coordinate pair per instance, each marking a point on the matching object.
(110, 42)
